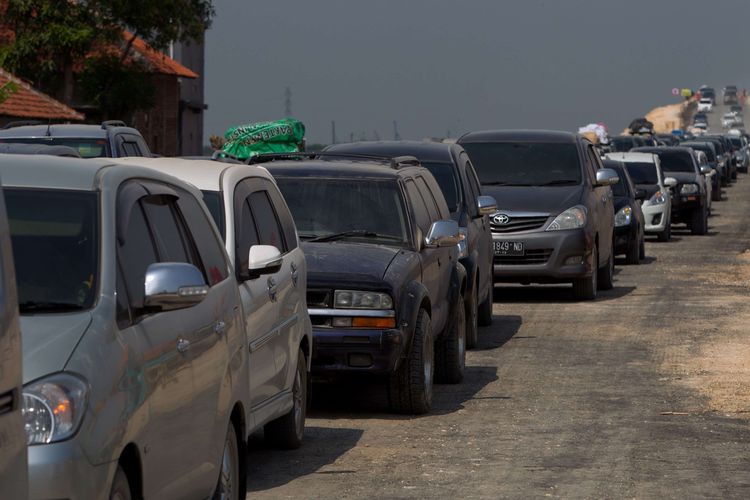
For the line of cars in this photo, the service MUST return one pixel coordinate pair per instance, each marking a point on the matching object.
(178, 305)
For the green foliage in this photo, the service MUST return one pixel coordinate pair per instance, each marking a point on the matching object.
(6, 90)
(117, 89)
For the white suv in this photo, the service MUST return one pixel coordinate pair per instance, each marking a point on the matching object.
(705, 105)
(646, 173)
(259, 232)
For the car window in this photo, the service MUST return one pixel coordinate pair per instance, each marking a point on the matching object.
(87, 148)
(136, 253)
(592, 165)
(266, 222)
(445, 174)
(429, 200)
(284, 215)
(642, 172)
(421, 215)
(245, 235)
(167, 233)
(210, 250)
(215, 206)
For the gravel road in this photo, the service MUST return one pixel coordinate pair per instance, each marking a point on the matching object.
(644, 393)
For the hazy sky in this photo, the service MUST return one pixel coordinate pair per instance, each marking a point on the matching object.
(439, 66)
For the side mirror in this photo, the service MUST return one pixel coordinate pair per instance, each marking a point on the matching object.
(486, 205)
(606, 177)
(640, 194)
(670, 182)
(443, 233)
(705, 169)
(173, 285)
(263, 259)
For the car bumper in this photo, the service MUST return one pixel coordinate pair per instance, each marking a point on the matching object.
(623, 236)
(683, 207)
(61, 470)
(656, 217)
(357, 350)
(549, 257)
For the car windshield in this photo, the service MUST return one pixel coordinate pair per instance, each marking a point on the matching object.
(56, 250)
(676, 161)
(642, 172)
(623, 144)
(356, 209)
(87, 148)
(213, 202)
(736, 142)
(525, 163)
(445, 175)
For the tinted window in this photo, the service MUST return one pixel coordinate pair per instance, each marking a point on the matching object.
(245, 235)
(676, 161)
(56, 251)
(621, 188)
(642, 173)
(166, 233)
(446, 176)
(210, 250)
(324, 207)
(705, 148)
(429, 200)
(215, 206)
(623, 144)
(129, 149)
(285, 217)
(136, 253)
(269, 230)
(421, 215)
(525, 164)
(87, 148)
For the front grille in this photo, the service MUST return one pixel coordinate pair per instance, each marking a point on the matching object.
(516, 224)
(318, 298)
(529, 258)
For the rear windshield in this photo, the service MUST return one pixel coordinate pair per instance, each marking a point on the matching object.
(676, 161)
(445, 175)
(642, 172)
(87, 148)
(56, 251)
(525, 164)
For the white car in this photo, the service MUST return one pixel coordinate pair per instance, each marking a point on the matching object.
(257, 227)
(646, 173)
(705, 105)
(728, 120)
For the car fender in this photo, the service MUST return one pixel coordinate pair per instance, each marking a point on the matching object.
(457, 289)
(412, 297)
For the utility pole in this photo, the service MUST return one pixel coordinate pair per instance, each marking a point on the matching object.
(333, 132)
(396, 135)
(288, 102)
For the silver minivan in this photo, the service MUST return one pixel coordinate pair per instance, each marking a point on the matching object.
(134, 359)
(13, 469)
(257, 227)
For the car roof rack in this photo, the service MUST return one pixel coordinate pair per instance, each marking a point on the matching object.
(113, 123)
(23, 123)
(394, 162)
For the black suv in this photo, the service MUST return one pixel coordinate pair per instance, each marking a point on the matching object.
(722, 174)
(112, 139)
(555, 215)
(689, 203)
(385, 288)
(454, 173)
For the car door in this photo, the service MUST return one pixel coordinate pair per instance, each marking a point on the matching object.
(482, 239)
(602, 206)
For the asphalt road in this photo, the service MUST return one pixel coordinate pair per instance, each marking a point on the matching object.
(625, 397)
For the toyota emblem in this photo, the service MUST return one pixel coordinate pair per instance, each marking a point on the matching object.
(501, 219)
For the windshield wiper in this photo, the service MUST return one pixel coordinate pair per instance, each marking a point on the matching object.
(503, 183)
(559, 182)
(32, 306)
(360, 233)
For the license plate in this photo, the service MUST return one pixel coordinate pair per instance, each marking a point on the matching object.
(508, 247)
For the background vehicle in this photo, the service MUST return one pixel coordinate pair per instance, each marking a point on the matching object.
(629, 221)
(689, 201)
(645, 172)
(727, 151)
(742, 149)
(454, 173)
(13, 460)
(623, 143)
(555, 215)
(131, 333)
(705, 105)
(708, 93)
(722, 174)
(385, 288)
(257, 228)
(709, 174)
(110, 139)
(728, 120)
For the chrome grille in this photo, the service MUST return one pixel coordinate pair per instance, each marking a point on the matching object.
(516, 224)
(529, 258)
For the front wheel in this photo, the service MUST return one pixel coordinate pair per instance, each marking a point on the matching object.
(485, 308)
(286, 432)
(120, 486)
(410, 387)
(585, 288)
(699, 222)
(607, 273)
(228, 487)
(450, 350)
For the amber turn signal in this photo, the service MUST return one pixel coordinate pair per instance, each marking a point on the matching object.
(374, 322)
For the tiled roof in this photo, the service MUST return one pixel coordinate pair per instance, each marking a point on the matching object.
(158, 61)
(26, 102)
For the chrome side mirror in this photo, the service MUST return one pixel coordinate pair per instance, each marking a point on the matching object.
(670, 182)
(486, 205)
(173, 285)
(705, 169)
(263, 259)
(606, 177)
(443, 233)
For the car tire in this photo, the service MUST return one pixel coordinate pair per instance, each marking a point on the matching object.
(633, 255)
(716, 193)
(665, 235)
(120, 486)
(410, 387)
(228, 485)
(585, 288)
(287, 431)
(642, 248)
(606, 276)
(699, 222)
(485, 308)
(472, 320)
(450, 350)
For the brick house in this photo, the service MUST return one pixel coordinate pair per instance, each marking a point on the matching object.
(27, 103)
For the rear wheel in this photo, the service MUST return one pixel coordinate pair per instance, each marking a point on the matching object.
(666, 235)
(607, 273)
(228, 487)
(485, 308)
(410, 387)
(120, 487)
(471, 314)
(585, 288)
(642, 248)
(699, 221)
(287, 431)
(450, 350)
(633, 255)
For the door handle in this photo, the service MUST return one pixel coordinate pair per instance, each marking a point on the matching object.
(219, 327)
(183, 345)
(272, 289)
(295, 274)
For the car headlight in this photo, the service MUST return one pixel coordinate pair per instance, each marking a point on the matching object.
(463, 244)
(623, 216)
(659, 198)
(572, 218)
(53, 408)
(689, 188)
(353, 299)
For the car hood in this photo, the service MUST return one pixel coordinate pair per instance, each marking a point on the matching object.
(336, 262)
(682, 177)
(49, 340)
(549, 200)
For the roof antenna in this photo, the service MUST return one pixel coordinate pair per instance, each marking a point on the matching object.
(49, 126)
